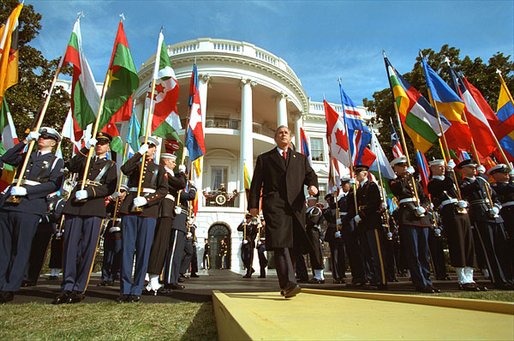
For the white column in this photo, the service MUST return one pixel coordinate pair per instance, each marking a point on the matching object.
(281, 110)
(203, 83)
(298, 124)
(246, 133)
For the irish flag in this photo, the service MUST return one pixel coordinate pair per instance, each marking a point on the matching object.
(84, 95)
(8, 140)
(416, 114)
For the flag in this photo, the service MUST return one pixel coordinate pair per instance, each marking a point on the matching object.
(359, 134)
(423, 170)
(380, 160)
(195, 142)
(69, 132)
(478, 114)
(84, 95)
(9, 51)
(395, 142)
(122, 82)
(134, 130)
(416, 114)
(336, 137)
(247, 178)
(8, 140)
(451, 107)
(505, 113)
(305, 150)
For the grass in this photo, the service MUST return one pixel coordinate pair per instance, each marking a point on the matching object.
(494, 295)
(108, 321)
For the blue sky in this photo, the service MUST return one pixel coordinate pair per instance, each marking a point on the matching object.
(320, 40)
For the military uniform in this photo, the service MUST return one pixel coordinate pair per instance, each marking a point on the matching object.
(261, 250)
(334, 238)
(314, 219)
(206, 259)
(248, 244)
(19, 222)
(189, 256)
(138, 227)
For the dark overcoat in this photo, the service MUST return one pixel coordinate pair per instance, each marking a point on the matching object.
(283, 199)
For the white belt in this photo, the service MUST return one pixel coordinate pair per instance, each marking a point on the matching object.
(169, 196)
(507, 204)
(143, 190)
(26, 182)
(343, 213)
(449, 201)
(406, 200)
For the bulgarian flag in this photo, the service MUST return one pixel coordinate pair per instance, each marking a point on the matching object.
(84, 95)
(122, 82)
(8, 140)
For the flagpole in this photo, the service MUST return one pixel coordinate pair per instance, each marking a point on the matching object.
(334, 194)
(402, 136)
(149, 118)
(382, 190)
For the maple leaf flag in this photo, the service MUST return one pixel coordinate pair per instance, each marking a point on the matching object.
(336, 136)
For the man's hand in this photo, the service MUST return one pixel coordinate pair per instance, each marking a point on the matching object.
(411, 170)
(481, 169)
(32, 136)
(451, 164)
(140, 201)
(18, 191)
(182, 169)
(312, 190)
(91, 143)
(143, 149)
(254, 212)
(357, 219)
(81, 195)
(245, 242)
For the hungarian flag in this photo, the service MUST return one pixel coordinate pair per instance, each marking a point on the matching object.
(195, 140)
(9, 51)
(84, 95)
(8, 140)
(336, 137)
(451, 107)
(505, 113)
(123, 80)
(416, 114)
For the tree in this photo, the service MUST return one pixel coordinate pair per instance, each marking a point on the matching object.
(481, 75)
(26, 98)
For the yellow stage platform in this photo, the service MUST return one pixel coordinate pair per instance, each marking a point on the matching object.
(335, 315)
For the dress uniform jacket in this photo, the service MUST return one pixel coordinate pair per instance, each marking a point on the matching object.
(505, 192)
(45, 169)
(251, 232)
(369, 205)
(402, 189)
(155, 179)
(179, 223)
(282, 182)
(474, 191)
(175, 184)
(103, 173)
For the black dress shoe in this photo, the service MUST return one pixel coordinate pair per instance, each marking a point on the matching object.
(181, 279)
(194, 275)
(358, 284)
(177, 287)
(123, 298)
(469, 287)
(76, 297)
(6, 296)
(134, 298)
(105, 284)
(339, 281)
(28, 284)
(426, 290)
(53, 278)
(63, 298)
(302, 280)
(316, 281)
(247, 276)
(292, 291)
(436, 290)
(262, 276)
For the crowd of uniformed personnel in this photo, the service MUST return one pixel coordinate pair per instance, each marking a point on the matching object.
(152, 211)
(149, 228)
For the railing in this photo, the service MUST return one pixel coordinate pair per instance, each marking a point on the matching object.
(227, 123)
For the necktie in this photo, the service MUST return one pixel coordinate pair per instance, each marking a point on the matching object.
(284, 154)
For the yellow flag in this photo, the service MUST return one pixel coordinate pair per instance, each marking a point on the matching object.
(9, 51)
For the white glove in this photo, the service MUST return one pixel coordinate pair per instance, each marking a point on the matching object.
(357, 219)
(338, 221)
(420, 211)
(58, 235)
(91, 143)
(437, 232)
(190, 221)
(495, 211)
(411, 170)
(32, 136)
(114, 229)
(143, 149)
(338, 234)
(389, 235)
(140, 201)
(462, 204)
(334, 189)
(511, 173)
(481, 169)
(178, 210)
(81, 195)
(182, 169)
(115, 195)
(352, 181)
(245, 242)
(451, 164)
(189, 235)
(18, 191)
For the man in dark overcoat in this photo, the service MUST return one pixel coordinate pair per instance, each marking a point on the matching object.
(281, 174)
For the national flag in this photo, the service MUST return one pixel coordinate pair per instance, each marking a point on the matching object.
(451, 107)
(336, 137)
(9, 51)
(359, 134)
(304, 146)
(84, 95)
(505, 113)
(134, 130)
(69, 132)
(396, 146)
(423, 170)
(380, 161)
(195, 139)
(123, 80)
(247, 178)
(418, 117)
(8, 139)
(116, 144)
(478, 114)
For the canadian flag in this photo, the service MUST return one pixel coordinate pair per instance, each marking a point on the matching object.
(336, 136)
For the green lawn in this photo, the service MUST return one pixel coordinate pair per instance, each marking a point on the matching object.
(108, 321)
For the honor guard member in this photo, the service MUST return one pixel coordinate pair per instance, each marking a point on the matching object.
(248, 244)
(206, 259)
(261, 247)
(84, 213)
(504, 187)
(139, 218)
(455, 221)
(484, 215)
(414, 224)
(334, 238)
(161, 242)
(21, 207)
(223, 254)
(313, 220)
(368, 220)
(180, 231)
(189, 256)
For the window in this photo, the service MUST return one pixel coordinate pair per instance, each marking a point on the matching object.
(219, 177)
(317, 149)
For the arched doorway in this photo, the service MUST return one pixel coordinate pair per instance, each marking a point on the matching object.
(216, 234)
